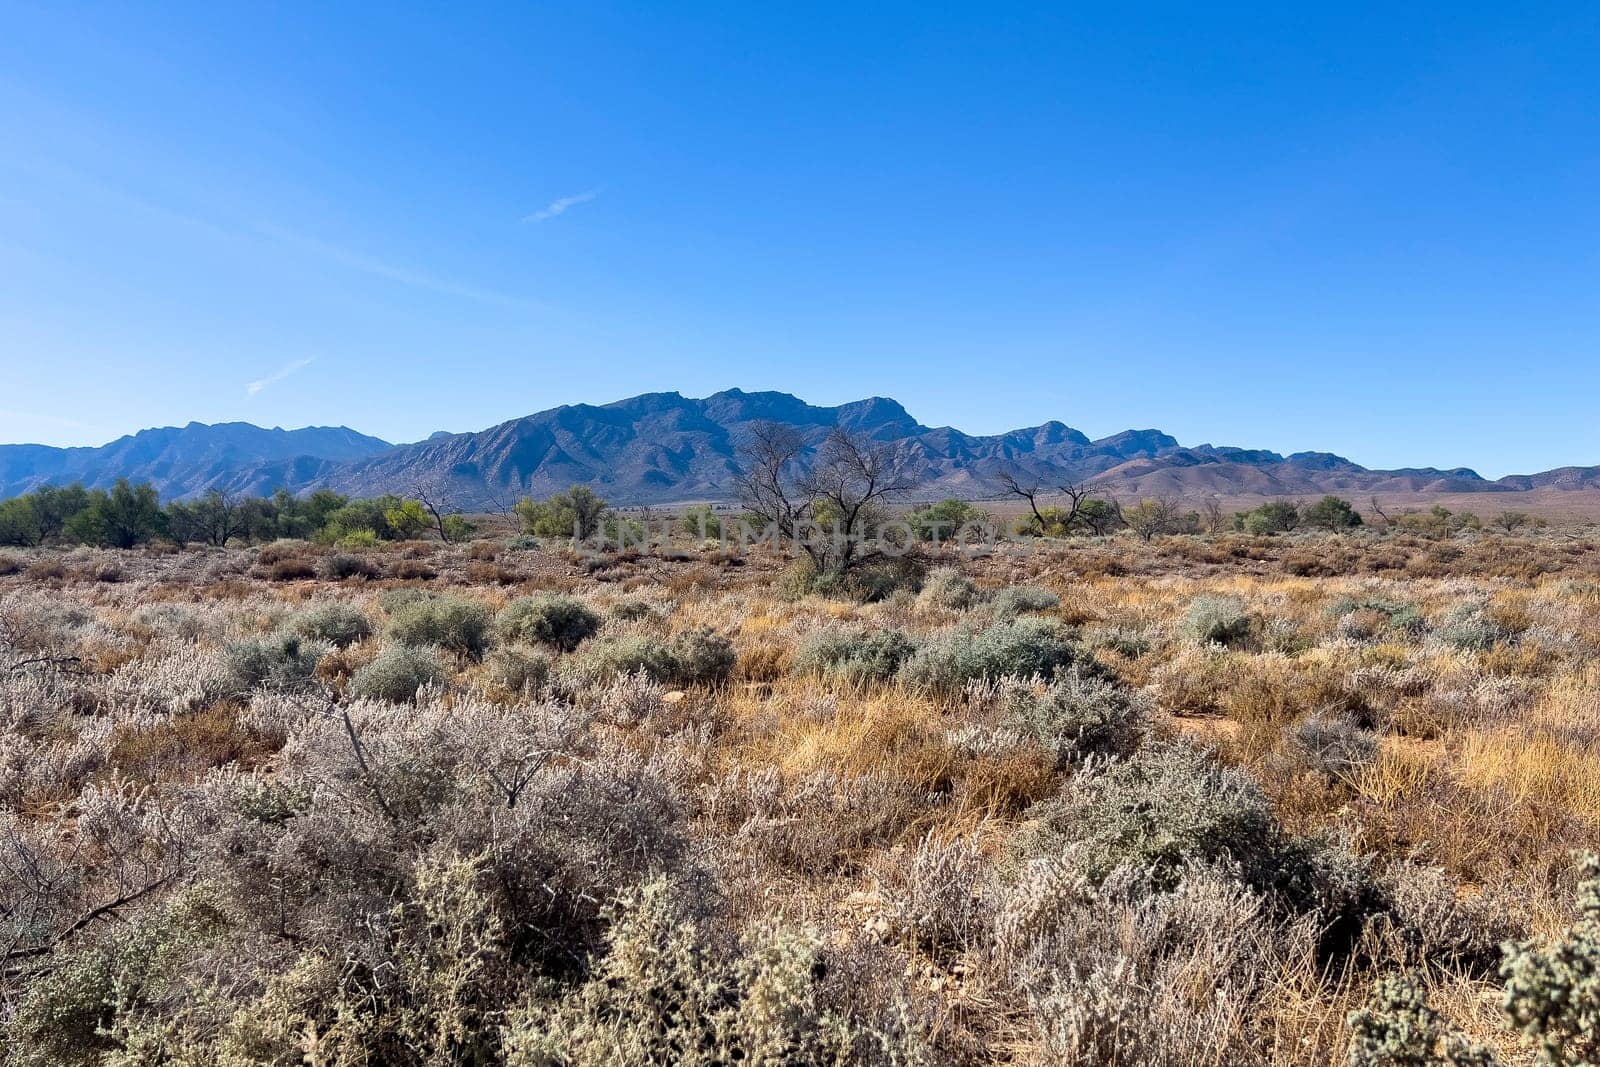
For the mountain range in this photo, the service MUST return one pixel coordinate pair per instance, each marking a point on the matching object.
(664, 447)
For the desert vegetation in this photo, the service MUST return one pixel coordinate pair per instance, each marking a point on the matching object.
(1305, 792)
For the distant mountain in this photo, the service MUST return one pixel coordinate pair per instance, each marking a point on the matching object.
(184, 460)
(664, 447)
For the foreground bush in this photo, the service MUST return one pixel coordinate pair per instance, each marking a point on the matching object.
(1216, 621)
(1017, 600)
(1019, 649)
(666, 991)
(1171, 808)
(854, 658)
(1399, 1029)
(396, 675)
(946, 587)
(562, 622)
(336, 623)
(283, 663)
(516, 670)
(693, 657)
(1553, 990)
(454, 623)
(1079, 716)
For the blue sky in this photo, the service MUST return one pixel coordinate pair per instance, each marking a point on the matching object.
(1355, 228)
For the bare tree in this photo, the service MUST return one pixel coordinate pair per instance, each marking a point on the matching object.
(854, 479)
(1377, 510)
(1028, 491)
(1211, 515)
(440, 504)
(1152, 517)
(1077, 494)
(846, 484)
(766, 482)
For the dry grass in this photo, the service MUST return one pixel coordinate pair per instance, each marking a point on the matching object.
(1359, 702)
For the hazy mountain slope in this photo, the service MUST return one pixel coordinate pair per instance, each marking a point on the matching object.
(662, 447)
(179, 460)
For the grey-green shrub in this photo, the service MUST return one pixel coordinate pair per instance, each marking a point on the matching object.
(1081, 715)
(1399, 1029)
(394, 601)
(454, 623)
(1470, 629)
(282, 662)
(702, 657)
(1333, 744)
(946, 587)
(1216, 621)
(1018, 649)
(1552, 991)
(562, 622)
(336, 623)
(516, 670)
(1171, 807)
(1016, 600)
(693, 657)
(853, 658)
(1123, 640)
(1397, 614)
(344, 565)
(668, 990)
(632, 654)
(396, 675)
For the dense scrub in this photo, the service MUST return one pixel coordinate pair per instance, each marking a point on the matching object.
(1106, 803)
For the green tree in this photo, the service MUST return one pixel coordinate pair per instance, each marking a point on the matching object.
(1275, 516)
(575, 513)
(128, 515)
(939, 522)
(700, 521)
(1331, 513)
(407, 519)
(213, 519)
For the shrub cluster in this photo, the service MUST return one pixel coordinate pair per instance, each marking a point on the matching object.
(454, 623)
(1020, 649)
(691, 657)
(562, 622)
(854, 658)
(397, 674)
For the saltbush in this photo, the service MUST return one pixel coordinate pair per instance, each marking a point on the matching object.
(1216, 621)
(334, 622)
(1552, 989)
(1171, 808)
(283, 662)
(1081, 715)
(1016, 600)
(1470, 628)
(516, 670)
(854, 658)
(562, 622)
(1399, 1029)
(342, 565)
(454, 623)
(396, 675)
(946, 587)
(693, 657)
(1018, 649)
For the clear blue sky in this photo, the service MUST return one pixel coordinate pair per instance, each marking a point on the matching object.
(1369, 229)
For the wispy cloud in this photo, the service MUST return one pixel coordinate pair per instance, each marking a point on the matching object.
(561, 206)
(288, 368)
(18, 419)
(377, 268)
